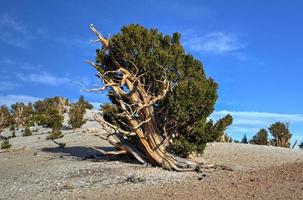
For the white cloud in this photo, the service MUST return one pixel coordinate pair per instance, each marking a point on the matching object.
(251, 122)
(44, 78)
(214, 42)
(11, 99)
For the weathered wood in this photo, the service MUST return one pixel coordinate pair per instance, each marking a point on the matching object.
(140, 117)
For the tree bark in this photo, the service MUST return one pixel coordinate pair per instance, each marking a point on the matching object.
(138, 115)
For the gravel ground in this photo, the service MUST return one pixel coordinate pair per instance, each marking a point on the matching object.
(38, 169)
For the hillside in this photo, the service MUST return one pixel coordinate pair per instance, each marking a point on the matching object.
(36, 168)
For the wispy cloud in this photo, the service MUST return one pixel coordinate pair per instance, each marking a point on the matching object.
(214, 42)
(44, 78)
(251, 122)
(7, 62)
(9, 22)
(13, 32)
(77, 42)
(7, 85)
(11, 99)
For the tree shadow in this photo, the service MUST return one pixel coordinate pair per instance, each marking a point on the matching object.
(86, 153)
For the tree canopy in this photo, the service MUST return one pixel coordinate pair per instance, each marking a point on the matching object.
(280, 133)
(260, 138)
(142, 68)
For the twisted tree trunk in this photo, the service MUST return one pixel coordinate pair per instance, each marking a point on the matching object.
(138, 115)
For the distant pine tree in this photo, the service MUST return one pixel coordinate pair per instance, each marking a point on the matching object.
(261, 138)
(281, 134)
(244, 139)
(84, 103)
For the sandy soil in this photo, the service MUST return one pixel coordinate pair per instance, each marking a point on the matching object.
(41, 170)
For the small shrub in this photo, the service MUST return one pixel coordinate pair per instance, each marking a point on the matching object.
(27, 131)
(5, 144)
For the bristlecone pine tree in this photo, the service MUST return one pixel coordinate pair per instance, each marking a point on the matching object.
(281, 134)
(22, 114)
(76, 114)
(160, 98)
(5, 117)
(260, 138)
(44, 110)
(57, 120)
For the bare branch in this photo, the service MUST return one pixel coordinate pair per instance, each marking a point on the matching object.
(108, 153)
(99, 35)
(155, 99)
(101, 88)
(141, 123)
(111, 125)
(91, 63)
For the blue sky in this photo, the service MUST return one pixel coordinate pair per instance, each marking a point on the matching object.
(251, 48)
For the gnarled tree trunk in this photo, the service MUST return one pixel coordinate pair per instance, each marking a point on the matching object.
(137, 105)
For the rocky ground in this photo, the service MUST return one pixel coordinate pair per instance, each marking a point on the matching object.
(36, 168)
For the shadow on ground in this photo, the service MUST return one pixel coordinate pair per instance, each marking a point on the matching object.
(86, 153)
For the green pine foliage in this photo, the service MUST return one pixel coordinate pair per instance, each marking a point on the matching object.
(192, 95)
(56, 122)
(55, 134)
(281, 134)
(47, 108)
(5, 144)
(76, 115)
(261, 138)
(85, 103)
(22, 114)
